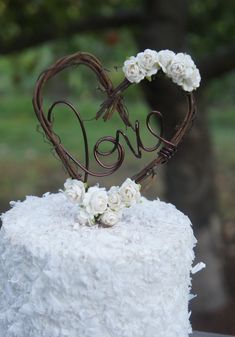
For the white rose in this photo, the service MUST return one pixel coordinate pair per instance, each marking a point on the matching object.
(95, 200)
(132, 70)
(186, 59)
(74, 190)
(165, 58)
(130, 192)
(148, 60)
(85, 218)
(180, 68)
(109, 218)
(115, 200)
(193, 82)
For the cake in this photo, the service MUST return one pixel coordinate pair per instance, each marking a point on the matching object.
(59, 279)
(92, 262)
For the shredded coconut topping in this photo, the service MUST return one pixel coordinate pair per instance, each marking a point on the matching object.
(60, 279)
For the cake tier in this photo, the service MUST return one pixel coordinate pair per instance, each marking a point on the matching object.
(59, 279)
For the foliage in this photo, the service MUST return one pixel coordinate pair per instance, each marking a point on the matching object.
(211, 22)
(22, 20)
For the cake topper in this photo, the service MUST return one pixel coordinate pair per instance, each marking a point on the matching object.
(178, 67)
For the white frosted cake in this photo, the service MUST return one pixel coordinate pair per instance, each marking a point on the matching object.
(61, 279)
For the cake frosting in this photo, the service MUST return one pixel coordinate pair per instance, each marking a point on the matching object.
(61, 279)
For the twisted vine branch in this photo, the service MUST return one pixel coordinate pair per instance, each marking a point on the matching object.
(112, 103)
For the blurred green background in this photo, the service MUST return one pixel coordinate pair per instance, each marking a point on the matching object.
(36, 33)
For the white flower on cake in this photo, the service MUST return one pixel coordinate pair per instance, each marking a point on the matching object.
(98, 206)
(85, 218)
(148, 61)
(165, 58)
(114, 199)
(130, 192)
(180, 68)
(110, 218)
(74, 190)
(95, 200)
(133, 72)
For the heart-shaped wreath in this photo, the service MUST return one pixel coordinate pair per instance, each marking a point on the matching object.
(179, 67)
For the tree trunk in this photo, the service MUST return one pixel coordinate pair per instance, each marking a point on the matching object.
(190, 183)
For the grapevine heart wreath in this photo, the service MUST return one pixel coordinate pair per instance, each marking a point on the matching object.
(97, 205)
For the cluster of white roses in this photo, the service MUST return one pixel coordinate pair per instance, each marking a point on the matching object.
(179, 67)
(97, 205)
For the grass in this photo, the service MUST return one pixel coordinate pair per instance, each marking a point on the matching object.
(19, 123)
